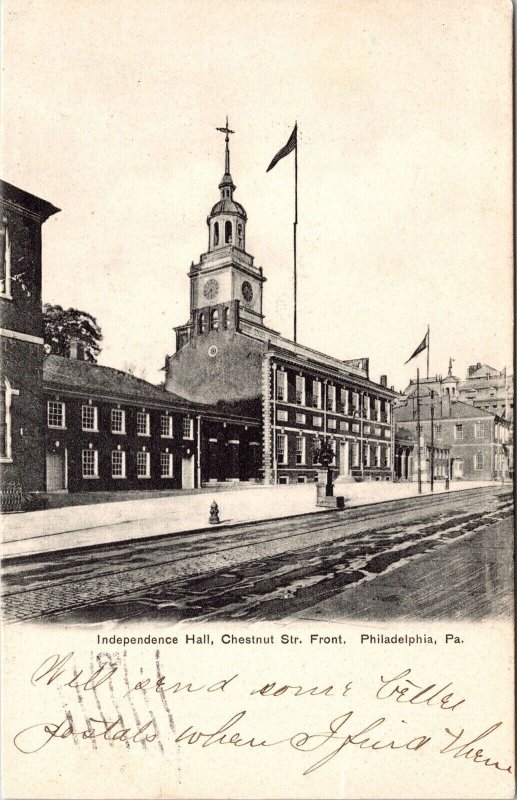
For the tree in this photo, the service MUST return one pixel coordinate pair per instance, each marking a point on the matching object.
(63, 325)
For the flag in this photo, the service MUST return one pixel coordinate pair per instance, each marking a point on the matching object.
(423, 344)
(286, 149)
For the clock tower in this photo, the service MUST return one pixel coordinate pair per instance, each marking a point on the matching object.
(226, 272)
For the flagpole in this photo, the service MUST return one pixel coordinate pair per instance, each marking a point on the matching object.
(418, 430)
(428, 338)
(295, 225)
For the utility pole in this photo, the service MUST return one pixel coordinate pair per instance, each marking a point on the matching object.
(432, 440)
(361, 412)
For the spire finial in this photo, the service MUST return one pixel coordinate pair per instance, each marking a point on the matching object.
(226, 130)
(450, 365)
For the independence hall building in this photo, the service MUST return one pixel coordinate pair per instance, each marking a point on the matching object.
(226, 355)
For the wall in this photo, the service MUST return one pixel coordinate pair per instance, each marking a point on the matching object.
(466, 448)
(22, 313)
(337, 425)
(232, 376)
(74, 440)
(21, 363)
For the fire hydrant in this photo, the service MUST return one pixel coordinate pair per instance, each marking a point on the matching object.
(214, 514)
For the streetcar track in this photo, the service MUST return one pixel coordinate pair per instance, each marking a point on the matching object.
(310, 527)
(130, 593)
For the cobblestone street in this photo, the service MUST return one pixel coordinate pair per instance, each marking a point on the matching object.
(274, 570)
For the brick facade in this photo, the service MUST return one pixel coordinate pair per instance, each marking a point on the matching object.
(478, 441)
(71, 441)
(308, 407)
(22, 445)
(124, 422)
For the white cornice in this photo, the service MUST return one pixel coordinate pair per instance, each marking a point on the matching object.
(22, 337)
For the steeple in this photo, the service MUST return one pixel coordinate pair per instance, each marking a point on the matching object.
(227, 219)
(227, 178)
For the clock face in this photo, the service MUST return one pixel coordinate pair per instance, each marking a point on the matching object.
(210, 289)
(247, 291)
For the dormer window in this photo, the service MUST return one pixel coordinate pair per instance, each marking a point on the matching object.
(228, 232)
(216, 233)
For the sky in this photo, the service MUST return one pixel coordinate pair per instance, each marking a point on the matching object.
(404, 114)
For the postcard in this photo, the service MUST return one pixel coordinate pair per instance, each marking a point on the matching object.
(257, 400)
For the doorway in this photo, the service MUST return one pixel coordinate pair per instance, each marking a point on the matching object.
(344, 464)
(457, 468)
(56, 472)
(187, 472)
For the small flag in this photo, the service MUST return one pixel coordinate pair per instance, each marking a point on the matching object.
(286, 149)
(423, 344)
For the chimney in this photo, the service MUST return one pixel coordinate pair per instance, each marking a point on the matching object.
(384, 380)
(76, 351)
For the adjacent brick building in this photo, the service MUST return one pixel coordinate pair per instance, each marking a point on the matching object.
(22, 413)
(107, 430)
(478, 441)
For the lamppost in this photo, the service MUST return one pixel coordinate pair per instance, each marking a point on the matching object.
(419, 427)
(325, 455)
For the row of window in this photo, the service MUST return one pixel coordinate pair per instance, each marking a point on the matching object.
(56, 418)
(349, 401)
(211, 321)
(332, 424)
(372, 454)
(459, 430)
(90, 464)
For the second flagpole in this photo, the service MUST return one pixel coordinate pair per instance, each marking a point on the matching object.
(295, 226)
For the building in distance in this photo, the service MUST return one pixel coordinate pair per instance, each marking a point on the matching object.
(478, 441)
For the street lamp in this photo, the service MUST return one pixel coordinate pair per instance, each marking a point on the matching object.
(431, 456)
(325, 455)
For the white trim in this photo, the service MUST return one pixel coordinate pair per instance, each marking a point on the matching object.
(147, 473)
(7, 293)
(123, 474)
(170, 425)
(95, 418)
(61, 427)
(95, 476)
(23, 337)
(122, 411)
(147, 417)
(9, 391)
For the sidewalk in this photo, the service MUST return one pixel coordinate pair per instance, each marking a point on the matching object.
(103, 523)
